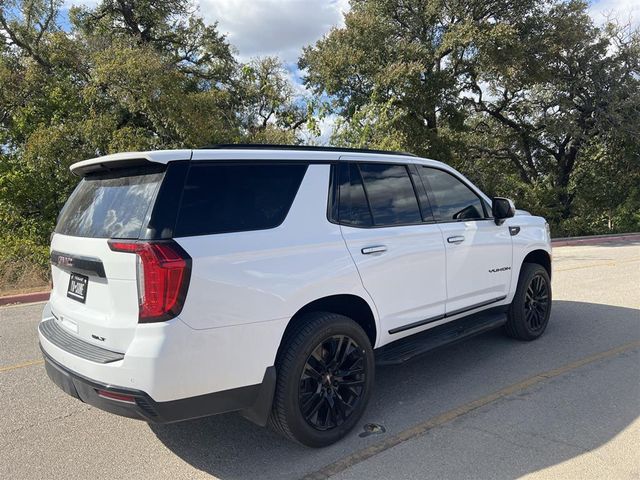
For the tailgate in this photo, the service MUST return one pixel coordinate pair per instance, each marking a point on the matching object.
(95, 290)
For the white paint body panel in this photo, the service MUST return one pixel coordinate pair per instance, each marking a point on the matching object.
(246, 286)
(533, 236)
(474, 274)
(407, 281)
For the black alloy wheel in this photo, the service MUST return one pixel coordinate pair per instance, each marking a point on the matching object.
(332, 382)
(528, 314)
(536, 303)
(325, 374)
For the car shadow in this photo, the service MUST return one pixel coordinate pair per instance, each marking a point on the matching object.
(229, 447)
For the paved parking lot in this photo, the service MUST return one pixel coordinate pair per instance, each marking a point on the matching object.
(565, 406)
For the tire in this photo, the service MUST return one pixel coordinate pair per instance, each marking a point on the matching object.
(529, 312)
(321, 346)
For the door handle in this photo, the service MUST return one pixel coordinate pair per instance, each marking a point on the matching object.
(456, 239)
(374, 249)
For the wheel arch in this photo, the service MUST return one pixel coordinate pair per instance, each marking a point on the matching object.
(349, 305)
(541, 257)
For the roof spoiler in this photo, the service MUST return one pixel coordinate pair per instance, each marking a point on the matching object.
(116, 161)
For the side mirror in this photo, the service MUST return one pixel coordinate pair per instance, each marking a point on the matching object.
(502, 208)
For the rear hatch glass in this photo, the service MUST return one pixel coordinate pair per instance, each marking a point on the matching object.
(110, 205)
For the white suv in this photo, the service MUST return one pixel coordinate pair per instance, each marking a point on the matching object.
(272, 280)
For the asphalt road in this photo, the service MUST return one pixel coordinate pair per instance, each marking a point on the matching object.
(564, 406)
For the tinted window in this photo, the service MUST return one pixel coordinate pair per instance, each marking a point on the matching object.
(453, 199)
(354, 209)
(425, 206)
(232, 198)
(109, 205)
(390, 194)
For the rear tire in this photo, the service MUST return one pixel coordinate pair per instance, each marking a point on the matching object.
(529, 312)
(325, 376)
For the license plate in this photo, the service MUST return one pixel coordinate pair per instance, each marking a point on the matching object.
(78, 287)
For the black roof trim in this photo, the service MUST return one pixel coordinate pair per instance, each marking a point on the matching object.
(312, 148)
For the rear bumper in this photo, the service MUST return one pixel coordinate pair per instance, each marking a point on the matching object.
(172, 371)
(254, 401)
(168, 360)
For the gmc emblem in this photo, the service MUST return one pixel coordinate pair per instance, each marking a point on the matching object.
(65, 261)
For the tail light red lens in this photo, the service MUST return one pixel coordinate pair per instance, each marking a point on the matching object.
(164, 270)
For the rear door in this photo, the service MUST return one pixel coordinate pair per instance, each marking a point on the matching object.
(394, 243)
(95, 291)
(478, 252)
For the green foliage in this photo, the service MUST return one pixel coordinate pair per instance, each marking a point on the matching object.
(273, 111)
(373, 125)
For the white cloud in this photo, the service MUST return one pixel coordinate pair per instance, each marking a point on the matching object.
(267, 27)
(294, 75)
(273, 27)
(283, 27)
(622, 10)
(75, 3)
(327, 126)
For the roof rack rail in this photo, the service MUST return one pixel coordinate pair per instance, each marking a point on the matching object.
(313, 148)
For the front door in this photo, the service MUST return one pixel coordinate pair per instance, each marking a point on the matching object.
(478, 252)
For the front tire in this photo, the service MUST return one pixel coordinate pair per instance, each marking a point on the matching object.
(325, 376)
(529, 312)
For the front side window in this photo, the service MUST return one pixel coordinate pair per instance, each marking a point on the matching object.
(234, 198)
(452, 199)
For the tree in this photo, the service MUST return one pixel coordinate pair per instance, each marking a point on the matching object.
(564, 85)
(518, 94)
(25, 25)
(272, 112)
(409, 55)
(170, 27)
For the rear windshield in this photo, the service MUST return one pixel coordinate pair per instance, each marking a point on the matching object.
(113, 205)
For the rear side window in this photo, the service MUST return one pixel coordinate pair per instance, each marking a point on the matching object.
(452, 199)
(114, 205)
(377, 194)
(354, 209)
(390, 192)
(235, 198)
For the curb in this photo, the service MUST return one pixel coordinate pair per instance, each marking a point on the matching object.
(25, 298)
(556, 242)
(594, 239)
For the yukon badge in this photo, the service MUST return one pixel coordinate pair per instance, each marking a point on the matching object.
(501, 269)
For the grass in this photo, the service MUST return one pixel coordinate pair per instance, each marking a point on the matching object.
(22, 276)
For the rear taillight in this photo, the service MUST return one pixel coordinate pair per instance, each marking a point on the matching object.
(164, 269)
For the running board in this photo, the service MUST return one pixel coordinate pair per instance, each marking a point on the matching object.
(406, 348)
